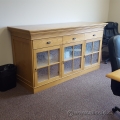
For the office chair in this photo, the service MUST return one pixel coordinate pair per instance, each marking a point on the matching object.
(114, 54)
(110, 30)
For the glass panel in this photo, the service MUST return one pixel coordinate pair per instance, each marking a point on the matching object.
(68, 66)
(54, 70)
(42, 59)
(95, 58)
(54, 56)
(77, 63)
(77, 50)
(42, 74)
(88, 60)
(89, 47)
(96, 46)
(68, 52)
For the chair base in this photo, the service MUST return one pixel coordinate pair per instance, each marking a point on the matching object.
(115, 109)
(105, 57)
(106, 61)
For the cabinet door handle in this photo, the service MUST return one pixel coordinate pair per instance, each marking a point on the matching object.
(48, 42)
(94, 34)
(73, 38)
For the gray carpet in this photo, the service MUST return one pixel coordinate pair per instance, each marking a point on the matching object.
(88, 97)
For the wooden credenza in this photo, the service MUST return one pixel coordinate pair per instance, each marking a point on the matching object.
(47, 55)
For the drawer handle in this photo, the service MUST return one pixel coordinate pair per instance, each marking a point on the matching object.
(48, 42)
(94, 34)
(73, 38)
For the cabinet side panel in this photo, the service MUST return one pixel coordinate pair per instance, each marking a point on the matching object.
(22, 51)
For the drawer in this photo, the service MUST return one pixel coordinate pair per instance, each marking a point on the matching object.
(73, 38)
(92, 35)
(47, 42)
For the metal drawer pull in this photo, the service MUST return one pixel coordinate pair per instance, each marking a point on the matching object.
(48, 42)
(73, 38)
(94, 34)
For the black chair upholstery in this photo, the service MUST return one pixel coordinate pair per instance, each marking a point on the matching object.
(110, 30)
(114, 54)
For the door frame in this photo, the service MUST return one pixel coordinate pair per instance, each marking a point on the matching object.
(35, 65)
(99, 52)
(82, 57)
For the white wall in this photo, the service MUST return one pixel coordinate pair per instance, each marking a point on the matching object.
(27, 12)
(114, 11)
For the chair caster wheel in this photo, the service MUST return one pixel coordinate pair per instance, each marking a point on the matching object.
(114, 110)
(105, 62)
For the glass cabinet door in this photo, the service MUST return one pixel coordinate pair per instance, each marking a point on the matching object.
(72, 57)
(92, 53)
(47, 65)
(42, 59)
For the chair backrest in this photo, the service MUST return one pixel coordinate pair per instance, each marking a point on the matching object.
(114, 54)
(110, 30)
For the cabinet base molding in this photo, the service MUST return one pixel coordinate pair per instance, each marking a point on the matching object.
(25, 85)
(40, 88)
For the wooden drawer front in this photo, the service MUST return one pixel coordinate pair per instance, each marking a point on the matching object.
(73, 38)
(47, 42)
(92, 35)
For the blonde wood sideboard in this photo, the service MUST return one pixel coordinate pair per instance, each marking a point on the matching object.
(47, 55)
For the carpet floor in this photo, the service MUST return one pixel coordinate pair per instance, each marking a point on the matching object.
(88, 97)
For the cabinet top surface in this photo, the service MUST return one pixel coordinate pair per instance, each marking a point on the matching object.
(56, 26)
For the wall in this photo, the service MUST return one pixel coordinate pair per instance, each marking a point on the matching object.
(114, 11)
(27, 12)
